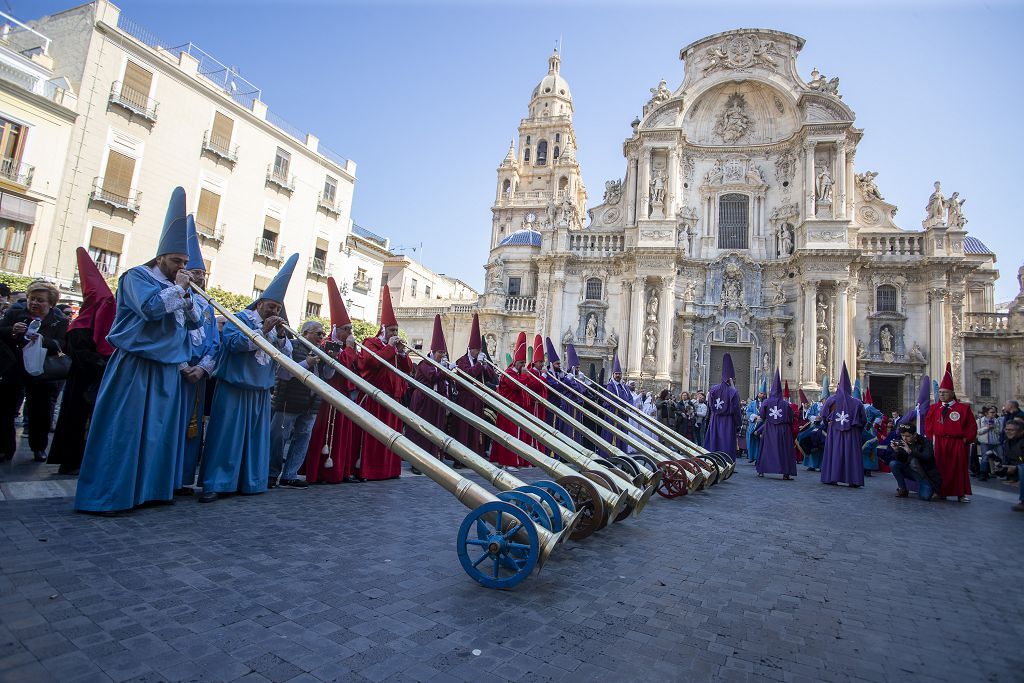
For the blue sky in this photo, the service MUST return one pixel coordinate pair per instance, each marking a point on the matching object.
(426, 96)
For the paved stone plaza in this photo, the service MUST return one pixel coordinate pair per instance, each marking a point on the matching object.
(758, 579)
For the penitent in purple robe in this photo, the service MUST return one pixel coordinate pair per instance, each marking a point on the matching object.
(777, 455)
(725, 417)
(845, 417)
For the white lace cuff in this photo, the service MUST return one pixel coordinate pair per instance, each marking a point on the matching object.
(173, 302)
(207, 364)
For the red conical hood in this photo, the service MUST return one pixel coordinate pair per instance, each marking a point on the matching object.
(947, 379)
(98, 307)
(519, 353)
(387, 313)
(538, 349)
(785, 390)
(339, 314)
(474, 334)
(437, 342)
(803, 398)
(867, 396)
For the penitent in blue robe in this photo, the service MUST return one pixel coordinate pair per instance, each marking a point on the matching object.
(237, 451)
(204, 345)
(135, 437)
(812, 438)
(753, 437)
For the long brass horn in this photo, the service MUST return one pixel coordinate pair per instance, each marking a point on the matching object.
(500, 479)
(509, 539)
(550, 438)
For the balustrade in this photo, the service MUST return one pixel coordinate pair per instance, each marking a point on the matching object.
(899, 244)
(596, 244)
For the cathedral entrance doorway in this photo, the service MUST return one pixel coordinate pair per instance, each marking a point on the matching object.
(740, 363)
(887, 393)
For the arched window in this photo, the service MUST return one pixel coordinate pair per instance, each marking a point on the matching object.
(733, 221)
(558, 138)
(594, 289)
(526, 154)
(986, 386)
(563, 182)
(885, 298)
(556, 151)
(528, 139)
(506, 188)
(542, 152)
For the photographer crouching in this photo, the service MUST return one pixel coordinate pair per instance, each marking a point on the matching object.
(914, 458)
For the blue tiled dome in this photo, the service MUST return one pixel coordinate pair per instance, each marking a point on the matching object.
(528, 238)
(972, 245)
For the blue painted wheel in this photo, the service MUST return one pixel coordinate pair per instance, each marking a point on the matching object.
(530, 506)
(491, 548)
(559, 493)
(550, 505)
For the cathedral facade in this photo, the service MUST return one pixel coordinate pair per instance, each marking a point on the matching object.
(743, 225)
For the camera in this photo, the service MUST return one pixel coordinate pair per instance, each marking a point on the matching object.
(332, 347)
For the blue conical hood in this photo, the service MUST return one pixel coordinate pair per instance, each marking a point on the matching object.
(277, 288)
(195, 254)
(935, 391)
(824, 389)
(552, 356)
(728, 373)
(174, 237)
(856, 389)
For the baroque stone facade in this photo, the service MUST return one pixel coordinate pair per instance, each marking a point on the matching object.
(741, 224)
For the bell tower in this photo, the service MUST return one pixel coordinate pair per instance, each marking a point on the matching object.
(541, 186)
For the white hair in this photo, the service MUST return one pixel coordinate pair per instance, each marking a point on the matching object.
(308, 325)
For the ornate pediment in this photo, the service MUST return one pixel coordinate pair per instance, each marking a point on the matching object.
(820, 108)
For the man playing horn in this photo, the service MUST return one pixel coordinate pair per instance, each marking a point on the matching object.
(511, 391)
(422, 403)
(473, 365)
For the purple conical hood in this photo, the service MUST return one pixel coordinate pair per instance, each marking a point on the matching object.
(777, 385)
(776, 400)
(844, 382)
(571, 358)
(616, 367)
(728, 373)
(843, 403)
(552, 356)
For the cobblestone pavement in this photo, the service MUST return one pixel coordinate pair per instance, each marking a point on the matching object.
(757, 579)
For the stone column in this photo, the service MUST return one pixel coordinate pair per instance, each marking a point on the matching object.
(937, 332)
(840, 204)
(555, 309)
(850, 177)
(665, 320)
(685, 351)
(672, 190)
(636, 328)
(809, 337)
(631, 181)
(842, 327)
(643, 184)
(809, 178)
(778, 334)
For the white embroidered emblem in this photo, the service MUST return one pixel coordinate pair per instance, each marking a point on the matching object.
(842, 418)
(719, 404)
(775, 413)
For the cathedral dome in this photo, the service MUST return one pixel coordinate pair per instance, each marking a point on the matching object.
(524, 238)
(553, 85)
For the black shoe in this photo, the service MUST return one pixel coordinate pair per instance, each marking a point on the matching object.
(294, 484)
(208, 497)
(272, 484)
(39, 456)
(184, 491)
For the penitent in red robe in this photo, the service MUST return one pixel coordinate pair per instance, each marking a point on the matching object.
(514, 393)
(536, 381)
(426, 407)
(341, 436)
(467, 434)
(952, 429)
(377, 461)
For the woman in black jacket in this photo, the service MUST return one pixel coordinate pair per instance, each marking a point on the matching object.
(15, 383)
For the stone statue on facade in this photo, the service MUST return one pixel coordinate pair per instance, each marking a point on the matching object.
(955, 212)
(785, 239)
(658, 95)
(754, 176)
(497, 275)
(733, 122)
(715, 175)
(868, 188)
(822, 356)
(916, 354)
(780, 294)
(652, 308)
(861, 351)
(684, 239)
(591, 332)
(651, 341)
(821, 84)
(885, 340)
(552, 211)
(732, 293)
(823, 186)
(689, 291)
(822, 312)
(612, 192)
(936, 207)
(492, 347)
(658, 187)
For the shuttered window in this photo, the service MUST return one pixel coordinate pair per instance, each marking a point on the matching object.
(321, 244)
(106, 240)
(136, 84)
(222, 129)
(732, 221)
(117, 179)
(272, 224)
(315, 297)
(206, 213)
(259, 285)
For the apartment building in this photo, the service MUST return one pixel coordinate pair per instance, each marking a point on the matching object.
(151, 117)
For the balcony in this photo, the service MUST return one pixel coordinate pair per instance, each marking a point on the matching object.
(998, 323)
(328, 204)
(521, 304)
(900, 244)
(209, 233)
(364, 285)
(280, 179)
(135, 102)
(269, 249)
(596, 244)
(317, 267)
(129, 202)
(220, 147)
(17, 172)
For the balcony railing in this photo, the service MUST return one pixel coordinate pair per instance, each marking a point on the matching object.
(328, 204)
(106, 268)
(210, 233)
(317, 266)
(134, 101)
(364, 285)
(268, 249)
(909, 244)
(280, 179)
(986, 322)
(17, 171)
(521, 304)
(219, 146)
(129, 202)
(596, 244)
